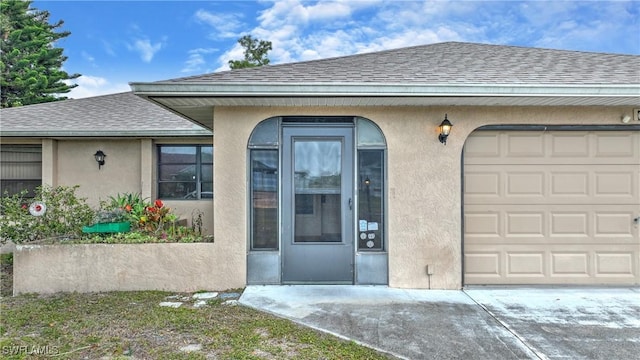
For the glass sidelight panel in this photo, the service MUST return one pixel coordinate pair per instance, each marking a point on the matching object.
(317, 184)
(371, 200)
(264, 199)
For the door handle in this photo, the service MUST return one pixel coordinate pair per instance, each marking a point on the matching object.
(351, 204)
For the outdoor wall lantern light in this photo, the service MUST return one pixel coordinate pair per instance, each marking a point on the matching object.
(445, 129)
(99, 155)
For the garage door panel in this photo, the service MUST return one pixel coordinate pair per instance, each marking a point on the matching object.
(551, 224)
(525, 184)
(483, 184)
(569, 183)
(525, 264)
(483, 224)
(556, 265)
(523, 145)
(562, 147)
(561, 214)
(616, 183)
(569, 145)
(551, 184)
(615, 224)
(569, 264)
(483, 264)
(614, 264)
(574, 224)
(618, 147)
(482, 146)
(529, 224)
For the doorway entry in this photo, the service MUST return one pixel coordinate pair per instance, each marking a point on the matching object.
(317, 227)
(316, 201)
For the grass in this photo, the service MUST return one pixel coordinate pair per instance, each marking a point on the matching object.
(132, 325)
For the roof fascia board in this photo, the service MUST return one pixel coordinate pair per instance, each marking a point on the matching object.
(375, 89)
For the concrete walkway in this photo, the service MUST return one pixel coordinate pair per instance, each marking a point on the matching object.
(477, 323)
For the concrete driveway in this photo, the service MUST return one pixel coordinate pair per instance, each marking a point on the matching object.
(476, 323)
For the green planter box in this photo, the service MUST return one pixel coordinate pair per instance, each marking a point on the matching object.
(108, 228)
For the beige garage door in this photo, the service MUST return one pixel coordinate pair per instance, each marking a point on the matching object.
(552, 207)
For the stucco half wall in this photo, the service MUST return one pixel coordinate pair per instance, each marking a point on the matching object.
(119, 267)
(424, 179)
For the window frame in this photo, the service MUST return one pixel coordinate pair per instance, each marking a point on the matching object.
(199, 163)
(18, 181)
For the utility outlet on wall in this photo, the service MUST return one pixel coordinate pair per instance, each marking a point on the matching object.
(430, 269)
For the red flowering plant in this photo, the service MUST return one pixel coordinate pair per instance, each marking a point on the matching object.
(155, 217)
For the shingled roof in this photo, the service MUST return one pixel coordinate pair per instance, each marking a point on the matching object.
(447, 63)
(443, 74)
(117, 115)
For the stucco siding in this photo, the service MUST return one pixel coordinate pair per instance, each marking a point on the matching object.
(424, 178)
(120, 173)
(120, 267)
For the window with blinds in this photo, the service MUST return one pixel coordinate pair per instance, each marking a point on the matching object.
(20, 169)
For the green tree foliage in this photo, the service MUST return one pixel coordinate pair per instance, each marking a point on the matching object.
(30, 67)
(255, 53)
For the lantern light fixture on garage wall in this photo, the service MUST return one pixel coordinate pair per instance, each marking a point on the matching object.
(99, 156)
(445, 129)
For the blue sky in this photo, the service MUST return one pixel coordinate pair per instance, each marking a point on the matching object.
(113, 43)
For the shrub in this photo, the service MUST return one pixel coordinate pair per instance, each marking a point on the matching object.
(65, 215)
(132, 206)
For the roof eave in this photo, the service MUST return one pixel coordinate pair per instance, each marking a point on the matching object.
(262, 89)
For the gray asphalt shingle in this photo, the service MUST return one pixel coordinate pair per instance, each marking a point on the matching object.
(114, 112)
(447, 63)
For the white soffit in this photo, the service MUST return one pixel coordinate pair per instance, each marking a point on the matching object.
(177, 103)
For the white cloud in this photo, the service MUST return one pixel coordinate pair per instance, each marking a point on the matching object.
(89, 86)
(235, 53)
(145, 48)
(224, 25)
(301, 30)
(196, 60)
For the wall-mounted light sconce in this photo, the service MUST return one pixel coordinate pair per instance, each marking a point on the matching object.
(99, 155)
(625, 119)
(445, 129)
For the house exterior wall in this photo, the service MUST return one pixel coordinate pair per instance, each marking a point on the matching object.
(130, 167)
(120, 173)
(423, 176)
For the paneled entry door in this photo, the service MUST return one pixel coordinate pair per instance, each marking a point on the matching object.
(317, 212)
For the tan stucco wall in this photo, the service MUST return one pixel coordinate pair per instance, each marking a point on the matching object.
(130, 167)
(118, 267)
(120, 173)
(424, 179)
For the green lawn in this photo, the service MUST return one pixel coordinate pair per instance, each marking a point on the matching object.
(132, 325)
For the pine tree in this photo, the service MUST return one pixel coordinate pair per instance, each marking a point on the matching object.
(255, 53)
(31, 66)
